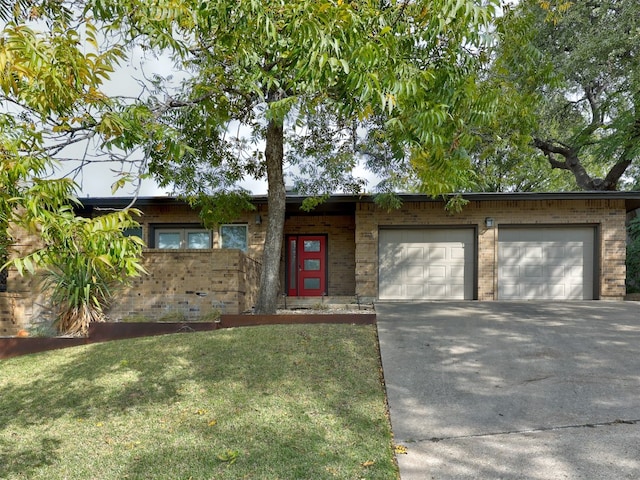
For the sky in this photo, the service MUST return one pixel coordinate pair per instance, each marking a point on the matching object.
(96, 180)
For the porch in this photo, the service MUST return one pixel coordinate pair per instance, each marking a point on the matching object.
(325, 303)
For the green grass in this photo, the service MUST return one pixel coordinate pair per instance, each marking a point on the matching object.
(273, 402)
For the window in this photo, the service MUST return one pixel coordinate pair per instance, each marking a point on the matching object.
(233, 236)
(132, 232)
(182, 238)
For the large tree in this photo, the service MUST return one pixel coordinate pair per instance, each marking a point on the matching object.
(569, 73)
(308, 86)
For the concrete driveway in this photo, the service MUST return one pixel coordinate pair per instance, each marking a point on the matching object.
(502, 390)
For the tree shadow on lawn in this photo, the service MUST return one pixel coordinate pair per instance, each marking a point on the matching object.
(250, 366)
(24, 461)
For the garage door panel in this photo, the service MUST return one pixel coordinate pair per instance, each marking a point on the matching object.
(559, 251)
(532, 252)
(437, 273)
(546, 263)
(457, 253)
(456, 272)
(437, 253)
(576, 272)
(533, 271)
(555, 271)
(426, 264)
(533, 291)
(415, 254)
(414, 291)
(557, 292)
(392, 290)
(509, 271)
(437, 291)
(415, 271)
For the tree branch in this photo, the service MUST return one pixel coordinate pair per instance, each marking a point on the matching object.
(571, 162)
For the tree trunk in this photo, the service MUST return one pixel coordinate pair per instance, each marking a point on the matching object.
(276, 203)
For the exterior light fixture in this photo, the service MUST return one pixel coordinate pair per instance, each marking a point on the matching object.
(489, 222)
(258, 219)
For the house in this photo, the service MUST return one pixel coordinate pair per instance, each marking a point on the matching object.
(502, 246)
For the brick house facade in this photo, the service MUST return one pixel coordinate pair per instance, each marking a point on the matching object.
(350, 247)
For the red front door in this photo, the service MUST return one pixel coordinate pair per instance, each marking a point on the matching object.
(306, 265)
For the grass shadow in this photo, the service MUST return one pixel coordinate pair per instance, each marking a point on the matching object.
(281, 396)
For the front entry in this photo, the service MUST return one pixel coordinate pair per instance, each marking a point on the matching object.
(306, 265)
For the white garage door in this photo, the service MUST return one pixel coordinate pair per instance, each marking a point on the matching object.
(546, 263)
(427, 264)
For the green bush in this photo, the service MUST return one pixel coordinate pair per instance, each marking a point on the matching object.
(82, 263)
(633, 256)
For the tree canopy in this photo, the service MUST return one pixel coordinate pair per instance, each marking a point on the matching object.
(570, 77)
(308, 87)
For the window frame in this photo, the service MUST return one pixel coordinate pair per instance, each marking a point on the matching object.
(184, 231)
(246, 236)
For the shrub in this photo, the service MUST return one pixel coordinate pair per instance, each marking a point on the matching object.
(633, 256)
(82, 263)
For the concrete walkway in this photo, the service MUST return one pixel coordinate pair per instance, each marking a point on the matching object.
(497, 390)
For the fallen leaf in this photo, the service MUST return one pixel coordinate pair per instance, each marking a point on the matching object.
(400, 449)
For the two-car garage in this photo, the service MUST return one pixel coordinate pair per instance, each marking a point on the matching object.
(533, 262)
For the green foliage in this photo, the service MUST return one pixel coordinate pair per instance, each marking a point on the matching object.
(329, 72)
(42, 330)
(173, 316)
(51, 72)
(221, 207)
(633, 256)
(569, 75)
(82, 262)
(388, 201)
(309, 88)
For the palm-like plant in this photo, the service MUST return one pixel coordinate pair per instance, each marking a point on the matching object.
(82, 262)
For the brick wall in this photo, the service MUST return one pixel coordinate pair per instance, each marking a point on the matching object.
(608, 214)
(340, 231)
(191, 283)
(23, 304)
(11, 314)
(182, 214)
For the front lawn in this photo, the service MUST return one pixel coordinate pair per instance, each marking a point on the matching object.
(272, 402)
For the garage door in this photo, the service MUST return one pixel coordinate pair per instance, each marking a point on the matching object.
(428, 264)
(546, 263)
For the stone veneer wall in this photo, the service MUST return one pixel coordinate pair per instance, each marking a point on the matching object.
(609, 214)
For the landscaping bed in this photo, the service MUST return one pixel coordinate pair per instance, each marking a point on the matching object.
(103, 332)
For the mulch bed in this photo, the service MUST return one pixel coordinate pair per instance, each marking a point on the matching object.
(104, 332)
